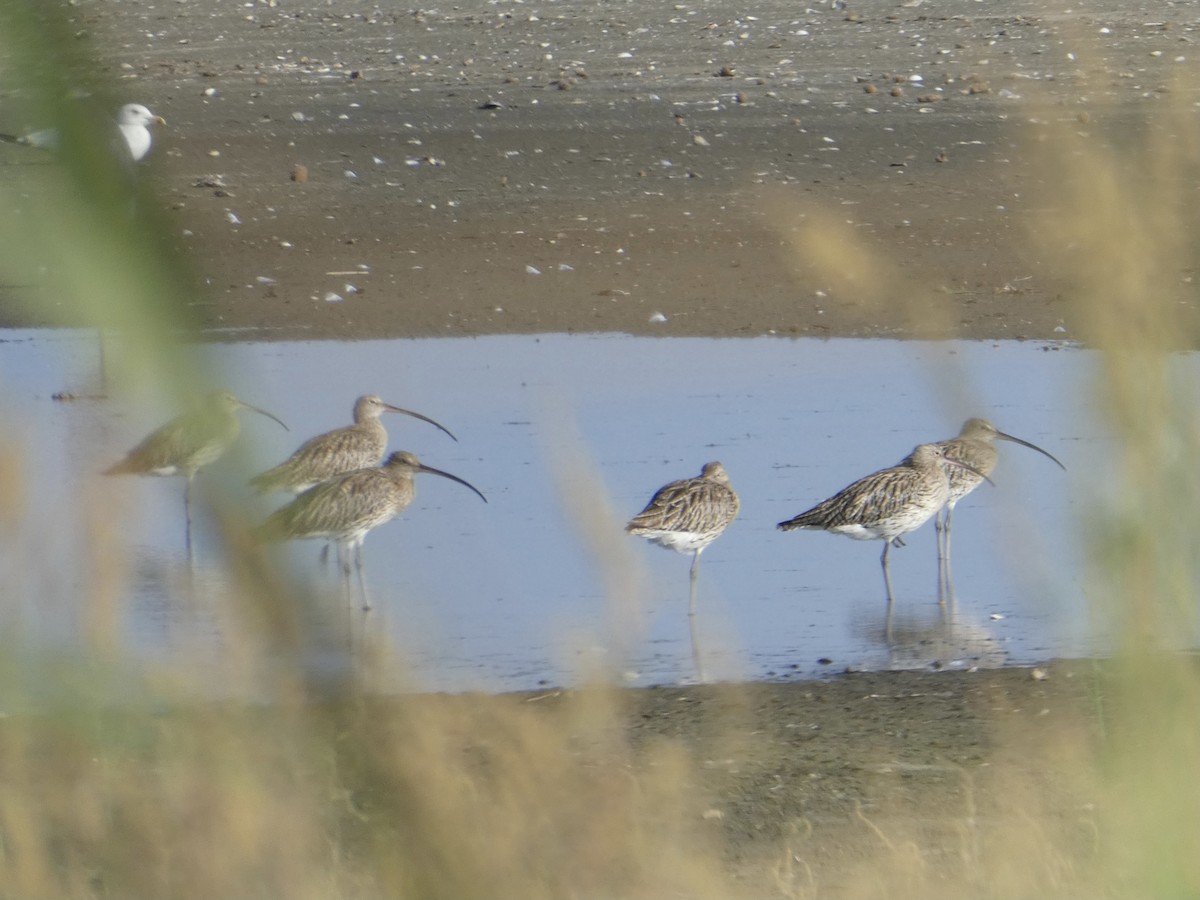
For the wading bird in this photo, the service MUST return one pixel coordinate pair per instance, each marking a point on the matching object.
(688, 515)
(886, 505)
(188, 443)
(347, 507)
(358, 446)
(975, 445)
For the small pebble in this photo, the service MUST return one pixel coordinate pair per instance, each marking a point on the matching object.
(299, 174)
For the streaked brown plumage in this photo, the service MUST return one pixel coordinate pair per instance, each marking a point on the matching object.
(356, 446)
(188, 443)
(885, 505)
(345, 508)
(688, 515)
(975, 446)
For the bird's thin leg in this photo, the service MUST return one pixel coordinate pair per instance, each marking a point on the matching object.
(187, 514)
(697, 659)
(692, 588)
(362, 581)
(103, 361)
(325, 554)
(697, 656)
(946, 540)
(887, 575)
(939, 527)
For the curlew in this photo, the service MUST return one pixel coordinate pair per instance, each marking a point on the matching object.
(188, 443)
(688, 515)
(347, 507)
(358, 446)
(975, 445)
(886, 505)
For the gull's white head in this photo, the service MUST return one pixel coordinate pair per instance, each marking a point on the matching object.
(135, 120)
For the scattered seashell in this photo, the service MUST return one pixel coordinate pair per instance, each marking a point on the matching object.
(699, 140)
(331, 297)
(657, 319)
(532, 270)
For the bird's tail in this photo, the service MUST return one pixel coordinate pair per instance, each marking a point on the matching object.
(268, 482)
(271, 531)
(804, 520)
(123, 467)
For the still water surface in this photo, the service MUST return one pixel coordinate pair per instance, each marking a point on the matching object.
(568, 436)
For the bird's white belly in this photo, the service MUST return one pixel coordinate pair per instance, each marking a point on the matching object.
(864, 532)
(680, 541)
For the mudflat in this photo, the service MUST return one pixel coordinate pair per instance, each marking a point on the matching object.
(659, 167)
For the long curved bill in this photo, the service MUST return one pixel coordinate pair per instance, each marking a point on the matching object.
(416, 415)
(962, 465)
(262, 412)
(1017, 440)
(432, 471)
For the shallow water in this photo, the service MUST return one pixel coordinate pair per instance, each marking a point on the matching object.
(568, 436)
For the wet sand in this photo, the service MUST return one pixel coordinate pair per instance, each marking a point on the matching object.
(491, 168)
